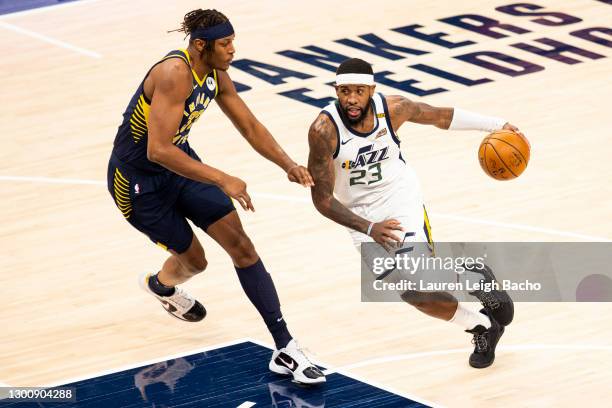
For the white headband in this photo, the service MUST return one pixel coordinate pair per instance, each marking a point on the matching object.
(355, 79)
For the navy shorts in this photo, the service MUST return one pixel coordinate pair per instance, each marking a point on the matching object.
(159, 205)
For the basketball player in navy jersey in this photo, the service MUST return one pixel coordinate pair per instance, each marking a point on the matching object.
(363, 182)
(158, 182)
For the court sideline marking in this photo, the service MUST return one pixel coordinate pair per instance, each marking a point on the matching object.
(43, 9)
(146, 362)
(50, 40)
(295, 199)
(217, 346)
(344, 370)
(359, 378)
(519, 347)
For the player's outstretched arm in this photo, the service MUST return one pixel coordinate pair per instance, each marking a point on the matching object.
(256, 133)
(322, 142)
(405, 110)
(171, 87)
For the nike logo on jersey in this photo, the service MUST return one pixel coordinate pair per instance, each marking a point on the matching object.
(346, 141)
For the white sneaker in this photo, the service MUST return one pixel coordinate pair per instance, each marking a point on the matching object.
(180, 305)
(291, 360)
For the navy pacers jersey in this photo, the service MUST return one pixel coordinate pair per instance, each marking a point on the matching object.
(131, 141)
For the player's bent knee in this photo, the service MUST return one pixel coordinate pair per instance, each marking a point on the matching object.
(243, 252)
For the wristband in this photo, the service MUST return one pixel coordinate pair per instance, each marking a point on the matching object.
(466, 120)
(370, 229)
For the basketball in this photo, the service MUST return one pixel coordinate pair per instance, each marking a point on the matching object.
(504, 154)
(355, 141)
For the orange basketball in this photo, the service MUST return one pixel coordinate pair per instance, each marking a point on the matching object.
(504, 154)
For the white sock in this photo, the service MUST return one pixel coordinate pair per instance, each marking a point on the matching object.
(468, 318)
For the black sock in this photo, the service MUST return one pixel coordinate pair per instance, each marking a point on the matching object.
(159, 288)
(259, 288)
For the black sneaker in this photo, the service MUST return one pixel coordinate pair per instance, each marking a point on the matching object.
(485, 340)
(497, 302)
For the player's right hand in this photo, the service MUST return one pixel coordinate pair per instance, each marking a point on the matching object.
(383, 233)
(236, 188)
(510, 126)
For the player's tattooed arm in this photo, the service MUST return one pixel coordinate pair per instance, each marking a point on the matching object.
(404, 110)
(322, 141)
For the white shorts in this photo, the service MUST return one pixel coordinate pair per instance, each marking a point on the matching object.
(411, 214)
(408, 209)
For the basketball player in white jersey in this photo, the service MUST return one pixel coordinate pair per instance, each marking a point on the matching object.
(363, 182)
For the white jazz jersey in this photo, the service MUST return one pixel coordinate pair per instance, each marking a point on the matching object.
(372, 178)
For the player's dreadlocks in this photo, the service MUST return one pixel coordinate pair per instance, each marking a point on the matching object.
(202, 19)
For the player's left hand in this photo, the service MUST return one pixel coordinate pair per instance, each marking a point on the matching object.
(300, 174)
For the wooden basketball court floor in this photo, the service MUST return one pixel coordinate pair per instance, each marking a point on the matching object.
(71, 304)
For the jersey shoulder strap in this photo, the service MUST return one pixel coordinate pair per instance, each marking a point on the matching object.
(383, 114)
(182, 54)
(379, 105)
(332, 113)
